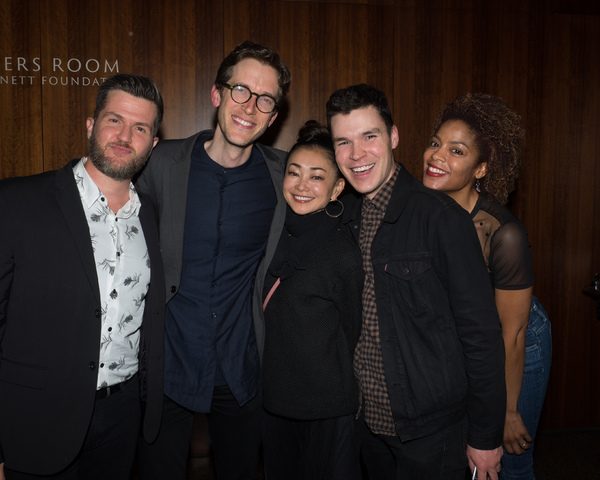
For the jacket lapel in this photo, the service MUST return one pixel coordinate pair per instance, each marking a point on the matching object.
(177, 182)
(69, 203)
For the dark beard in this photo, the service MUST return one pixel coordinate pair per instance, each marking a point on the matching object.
(104, 165)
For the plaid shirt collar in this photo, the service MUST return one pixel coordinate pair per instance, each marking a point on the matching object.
(383, 197)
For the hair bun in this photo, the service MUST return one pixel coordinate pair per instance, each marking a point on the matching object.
(313, 132)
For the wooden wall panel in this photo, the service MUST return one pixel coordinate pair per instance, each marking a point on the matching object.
(180, 46)
(421, 53)
(446, 51)
(325, 45)
(564, 230)
(78, 34)
(20, 102)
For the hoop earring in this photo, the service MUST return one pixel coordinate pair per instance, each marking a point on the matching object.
(477, 185)
(341, 207)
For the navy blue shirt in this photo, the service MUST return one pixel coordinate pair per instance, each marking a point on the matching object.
(209, 338)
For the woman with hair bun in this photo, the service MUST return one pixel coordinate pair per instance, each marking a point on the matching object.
(474, 156)
(313, 315)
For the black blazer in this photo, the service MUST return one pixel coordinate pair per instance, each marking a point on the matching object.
(49, 323)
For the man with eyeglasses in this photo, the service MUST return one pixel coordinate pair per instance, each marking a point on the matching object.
(221, 212)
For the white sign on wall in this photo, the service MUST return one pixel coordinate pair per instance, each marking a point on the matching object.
(58, 71)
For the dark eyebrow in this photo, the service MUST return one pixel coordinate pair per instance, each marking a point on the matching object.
(115, 114)
(453, 142)
(312, 168)
(244, 85)
(364, 134)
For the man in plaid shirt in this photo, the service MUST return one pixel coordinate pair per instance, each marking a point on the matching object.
(430, 359)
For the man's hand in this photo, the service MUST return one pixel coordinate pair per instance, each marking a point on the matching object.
(486, 461)
(2, 477)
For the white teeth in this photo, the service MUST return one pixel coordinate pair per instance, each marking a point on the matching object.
(302, 199)
(244, 122)
(435, 170)
(364, 168)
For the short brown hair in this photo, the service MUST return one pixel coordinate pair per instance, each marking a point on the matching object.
(264, 55)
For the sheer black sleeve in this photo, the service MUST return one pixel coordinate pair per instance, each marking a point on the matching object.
(504, 245)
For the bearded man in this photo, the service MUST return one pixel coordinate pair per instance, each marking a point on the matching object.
(82, 302)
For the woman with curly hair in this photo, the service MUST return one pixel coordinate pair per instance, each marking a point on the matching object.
(474, 156)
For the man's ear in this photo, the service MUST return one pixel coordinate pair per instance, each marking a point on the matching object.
(215, 96)
(394, 137)
(272, 119)
(90, 126)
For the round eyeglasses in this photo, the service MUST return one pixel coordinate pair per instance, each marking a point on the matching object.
(242, 94)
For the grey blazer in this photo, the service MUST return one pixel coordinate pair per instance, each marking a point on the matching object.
(165, 180)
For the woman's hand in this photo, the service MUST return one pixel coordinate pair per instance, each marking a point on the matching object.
(516, 437)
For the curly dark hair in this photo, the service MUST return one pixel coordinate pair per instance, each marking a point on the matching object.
(498, 137)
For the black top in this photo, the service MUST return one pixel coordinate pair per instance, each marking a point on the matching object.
(312, 324)
(504, 245)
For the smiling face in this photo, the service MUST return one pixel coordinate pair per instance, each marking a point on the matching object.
(450, 163)
(242, 124)
(364, 149)
(310, 181)
(121, 138)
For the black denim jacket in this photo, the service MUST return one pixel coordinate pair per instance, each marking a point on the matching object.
(441, 338)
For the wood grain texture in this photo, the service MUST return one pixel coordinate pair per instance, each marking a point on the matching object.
(20, 102)
(541, 57)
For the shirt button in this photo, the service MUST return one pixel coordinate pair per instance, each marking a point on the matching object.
(97, 313)
(101, 365)
(92, 365)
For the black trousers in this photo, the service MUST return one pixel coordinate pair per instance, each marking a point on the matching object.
(439, 456)
(108, 451)
(324, 449)
(234, 433)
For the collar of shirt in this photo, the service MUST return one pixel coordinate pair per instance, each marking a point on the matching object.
(382, 199)
(90, 193)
